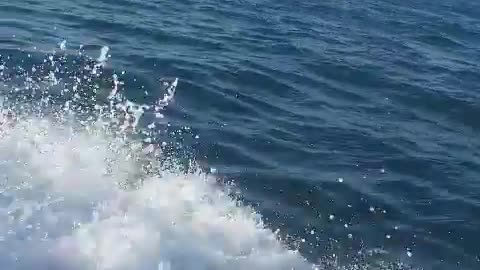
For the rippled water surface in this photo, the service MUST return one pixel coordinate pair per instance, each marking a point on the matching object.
(341, 134)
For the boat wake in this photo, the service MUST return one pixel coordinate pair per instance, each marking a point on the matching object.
(79, 191)
(81, 200)
(90, 180)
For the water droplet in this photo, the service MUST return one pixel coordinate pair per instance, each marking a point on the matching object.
(63, 45)
(164, 266)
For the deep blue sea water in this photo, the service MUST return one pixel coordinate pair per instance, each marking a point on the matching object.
(352, 127)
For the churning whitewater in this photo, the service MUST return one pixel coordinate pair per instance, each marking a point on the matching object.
(74, 195)
(64, 206)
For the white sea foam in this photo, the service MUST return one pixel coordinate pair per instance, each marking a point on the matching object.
(63, 206)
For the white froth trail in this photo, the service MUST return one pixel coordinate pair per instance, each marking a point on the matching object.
(61, 207)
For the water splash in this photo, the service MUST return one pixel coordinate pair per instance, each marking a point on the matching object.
(66, 203)
(77, 193)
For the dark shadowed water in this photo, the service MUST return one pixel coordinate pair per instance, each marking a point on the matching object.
(351, 126)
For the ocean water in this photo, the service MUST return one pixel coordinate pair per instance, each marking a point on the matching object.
(247, 134)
